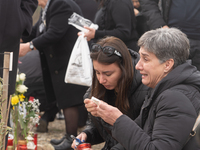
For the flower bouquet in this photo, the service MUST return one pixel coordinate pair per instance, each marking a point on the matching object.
(25, 113)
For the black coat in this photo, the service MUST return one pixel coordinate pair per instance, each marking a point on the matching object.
(84, 5)
(99, 131)
(167, 115)
(117, 19)
(156, 17)
(55, 46)
(16, 19)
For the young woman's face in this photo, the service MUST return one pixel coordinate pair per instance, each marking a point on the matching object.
(107, 75)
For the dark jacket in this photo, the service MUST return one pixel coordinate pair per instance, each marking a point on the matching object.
(117, 19)
(16, 19)
(84, 5)
(99, 131)
(156, 12)
(167, 115)
(55, 46)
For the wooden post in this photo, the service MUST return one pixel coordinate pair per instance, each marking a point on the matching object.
(4, 106)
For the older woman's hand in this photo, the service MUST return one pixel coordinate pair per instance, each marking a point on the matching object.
(91, 107)
(108, 113)
(90, 33)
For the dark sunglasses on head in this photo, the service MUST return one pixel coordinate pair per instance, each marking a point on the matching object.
(108, 50)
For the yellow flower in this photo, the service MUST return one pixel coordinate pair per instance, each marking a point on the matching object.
(21, 97)
(15, 100)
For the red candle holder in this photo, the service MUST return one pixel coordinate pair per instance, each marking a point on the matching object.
(35, 140)
(10, 142)
(21, 143)
(84, 146)
(22, 147)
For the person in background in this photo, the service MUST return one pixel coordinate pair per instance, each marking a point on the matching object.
(88, 7)
(137, 7)
(55, 38)
(172, 105)
(16, 19)
(183, 15)
(111, 21)
(141, 25)
(116, 82)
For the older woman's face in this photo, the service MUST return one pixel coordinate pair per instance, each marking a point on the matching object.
(107, 75)
(150, 68)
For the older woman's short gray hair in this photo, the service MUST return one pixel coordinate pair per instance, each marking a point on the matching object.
(166, 44)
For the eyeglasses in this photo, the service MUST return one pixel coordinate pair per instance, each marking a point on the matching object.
(108, 50)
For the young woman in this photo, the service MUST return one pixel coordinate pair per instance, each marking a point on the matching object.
(116, 82)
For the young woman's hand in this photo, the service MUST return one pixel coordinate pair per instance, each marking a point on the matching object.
(82, 136)
(91, 107)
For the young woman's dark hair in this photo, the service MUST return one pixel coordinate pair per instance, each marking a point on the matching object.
(125, 64)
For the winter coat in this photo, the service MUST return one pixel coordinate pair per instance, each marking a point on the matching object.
(55, 46)
(16, 19)
(84, 5)
(117, 19)
(167, 115)
(99, 131)
(156, 12)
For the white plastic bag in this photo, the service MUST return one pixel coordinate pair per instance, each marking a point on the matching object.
(80, 69)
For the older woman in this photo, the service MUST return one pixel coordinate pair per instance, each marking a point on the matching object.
(171, 107)
(116, 82)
